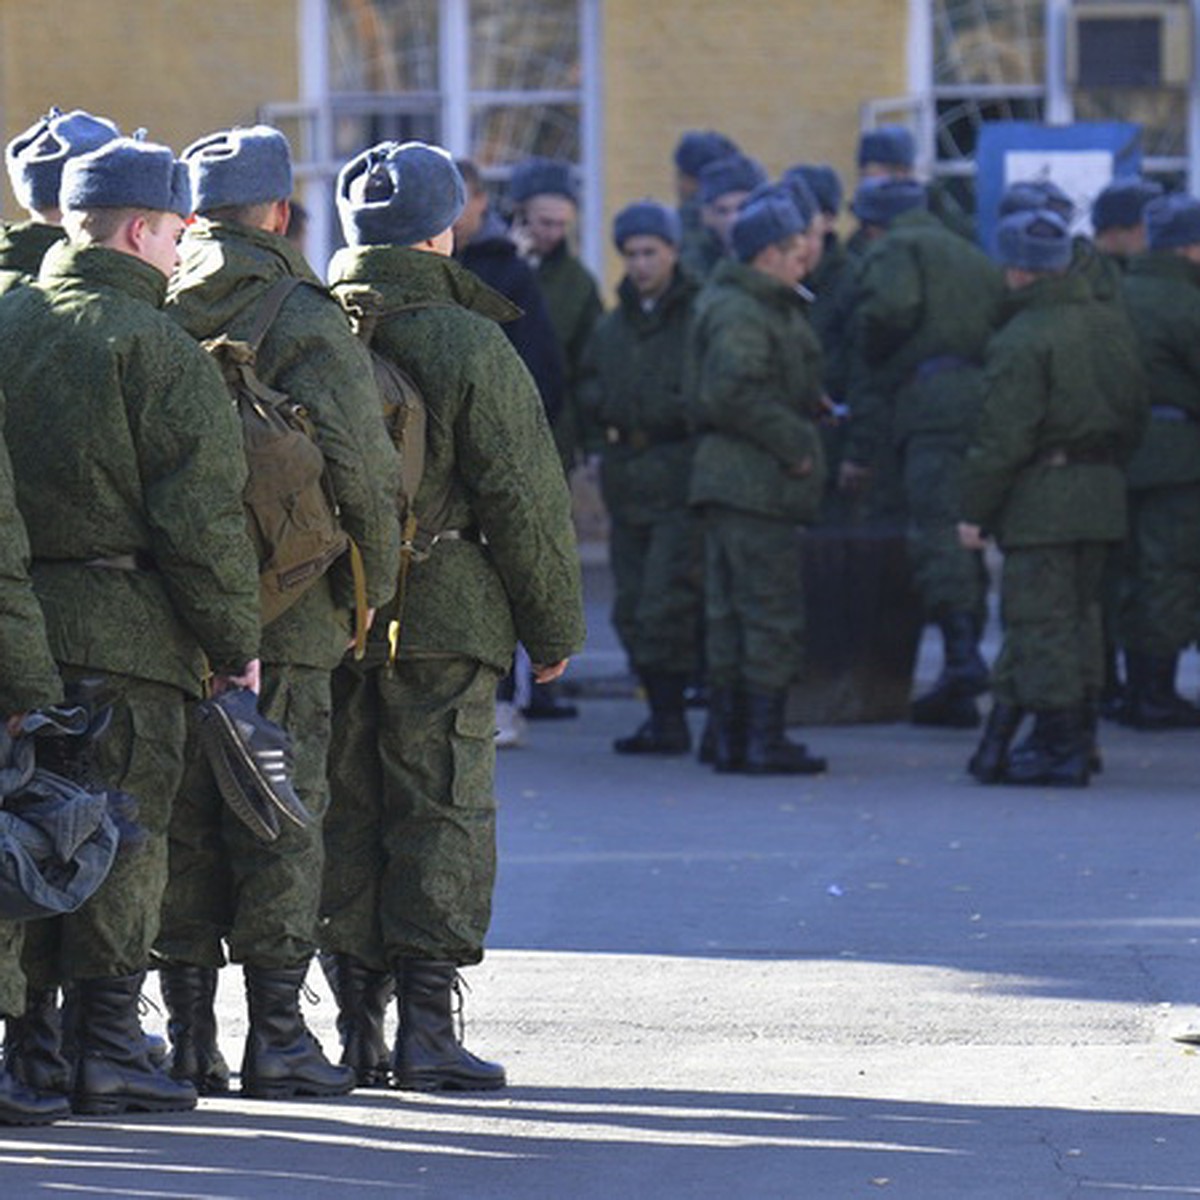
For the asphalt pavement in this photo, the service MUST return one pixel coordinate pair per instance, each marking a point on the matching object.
(884, 982)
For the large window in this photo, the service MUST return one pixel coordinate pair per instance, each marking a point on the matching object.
(493, 80)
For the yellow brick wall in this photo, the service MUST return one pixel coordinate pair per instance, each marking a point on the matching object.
(180, 68)
(784, 78)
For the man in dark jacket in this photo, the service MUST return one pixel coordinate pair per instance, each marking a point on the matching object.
(227, 887)
(411, 834)
(632, 387)
(755, 373)
(1065, 399)
(141, 561)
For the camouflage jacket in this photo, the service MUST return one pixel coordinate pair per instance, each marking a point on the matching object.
(311, 354)
(632, 387)
(926, 303)
(514, 571)
(22, 248)
(28, 676)
(1162, 300)
(754, 372)
(125, 448)
(1065, 399)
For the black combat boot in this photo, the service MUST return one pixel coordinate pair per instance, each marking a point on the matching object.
(21, 1105)
(429, 1056)
(1112, 694)
(282, 1057)
(114, 1073)
(1092, 708)
(33, 1045)
(723, 743)
(768, 751)
(666, 732)
(991, 757)
(1151, 699)
(189, 993)
(951, 701)
(363, 995)
(1056, 754)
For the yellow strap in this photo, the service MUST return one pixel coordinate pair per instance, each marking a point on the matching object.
(359, 572)
(408, 532)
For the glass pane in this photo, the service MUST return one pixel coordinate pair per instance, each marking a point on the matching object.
(988, 42)
(353, 132)
(524, 45)
(383, 45)
(504, 134)
(959, 119)
(1161, 112)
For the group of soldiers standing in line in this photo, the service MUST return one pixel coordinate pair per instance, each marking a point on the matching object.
(758, 374)
(129, 566)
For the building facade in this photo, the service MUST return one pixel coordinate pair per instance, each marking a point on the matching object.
(608, 84)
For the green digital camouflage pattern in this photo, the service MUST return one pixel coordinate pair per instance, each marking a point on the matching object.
(489, 452)
(22, 248)
(1065, 400)
(632, 386)
(1162, 570)
(138, 454)
(574, 305)
(111, 934)
(310, 354)
(1051, 657)
(753, 600)
(754, 369)
(411, 834)
(228, 888)
(754, 374)
(1062, 375)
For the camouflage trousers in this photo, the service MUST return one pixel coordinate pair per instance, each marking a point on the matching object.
(226, 887)
(1164, 569)
(753, 600)
(12, 977)
(1052, 656)
(111, 934)
(658, 606)
(411, 834)
(948, 578)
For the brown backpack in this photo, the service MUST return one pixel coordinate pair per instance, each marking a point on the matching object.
(290, 507)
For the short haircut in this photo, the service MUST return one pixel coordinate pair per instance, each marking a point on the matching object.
(87, 225)
(252, 215)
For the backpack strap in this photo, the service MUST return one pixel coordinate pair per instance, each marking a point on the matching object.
(269, 309)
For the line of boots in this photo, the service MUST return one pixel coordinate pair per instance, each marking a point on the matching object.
(91, 1057)
(1060, 751)
(282, 1058)
(745, 735)
(950, 702)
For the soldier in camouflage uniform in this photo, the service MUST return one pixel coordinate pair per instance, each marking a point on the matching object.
(35, 160)
(723, 184)
(28, 679)
(755, 374)
(1162, 298)
(927, 302)
(141, 562)
(1065, 399)
(411, 833)
(693, 152)
(632, 387)
(226, 886)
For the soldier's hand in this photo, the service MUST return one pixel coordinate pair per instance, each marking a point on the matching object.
(250, 678)
(970, 537)
(549, 672)
(853, 477)
(802, 468)
(370, 620)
